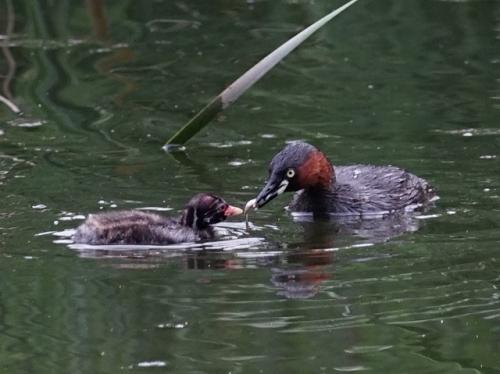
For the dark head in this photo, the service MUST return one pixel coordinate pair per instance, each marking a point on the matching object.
(206, 209)
(299, 165)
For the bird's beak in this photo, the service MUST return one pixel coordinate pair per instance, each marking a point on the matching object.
(232, 211)
(274, 187)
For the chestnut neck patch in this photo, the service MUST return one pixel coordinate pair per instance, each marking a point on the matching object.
(316, 172)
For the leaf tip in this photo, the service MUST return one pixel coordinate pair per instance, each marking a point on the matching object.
(171, 148)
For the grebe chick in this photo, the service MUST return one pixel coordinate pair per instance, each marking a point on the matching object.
(138, 227)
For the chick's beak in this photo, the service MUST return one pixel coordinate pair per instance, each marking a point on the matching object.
(232, 211)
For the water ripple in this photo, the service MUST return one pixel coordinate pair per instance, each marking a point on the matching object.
(468, 132)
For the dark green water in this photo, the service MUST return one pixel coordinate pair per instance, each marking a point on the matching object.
(102, 86)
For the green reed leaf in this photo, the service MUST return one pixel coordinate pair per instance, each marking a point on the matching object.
(242, 84)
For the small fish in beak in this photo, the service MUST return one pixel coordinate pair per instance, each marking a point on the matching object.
(250, 205)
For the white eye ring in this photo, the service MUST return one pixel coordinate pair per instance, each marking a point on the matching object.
(290, 173)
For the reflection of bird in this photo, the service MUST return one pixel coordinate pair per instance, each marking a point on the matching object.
(357, 189)
(137, 227)
(303, 279)
(298, 283)
(347, 230)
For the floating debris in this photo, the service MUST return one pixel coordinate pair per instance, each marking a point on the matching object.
(149, 364)
(26, 123)
(471, 132)
(76, 217)
(170, 325)
(155, 208)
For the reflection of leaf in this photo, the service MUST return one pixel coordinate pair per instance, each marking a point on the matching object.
(242, 84)
(10, 104)
(99, 19)
(171, 25)
(6, 96)
(8, 164)
(105, 65)
(121, 55)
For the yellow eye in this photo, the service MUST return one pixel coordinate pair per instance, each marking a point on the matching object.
(290, 173)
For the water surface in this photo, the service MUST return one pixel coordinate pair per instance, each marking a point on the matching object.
(102, 85)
